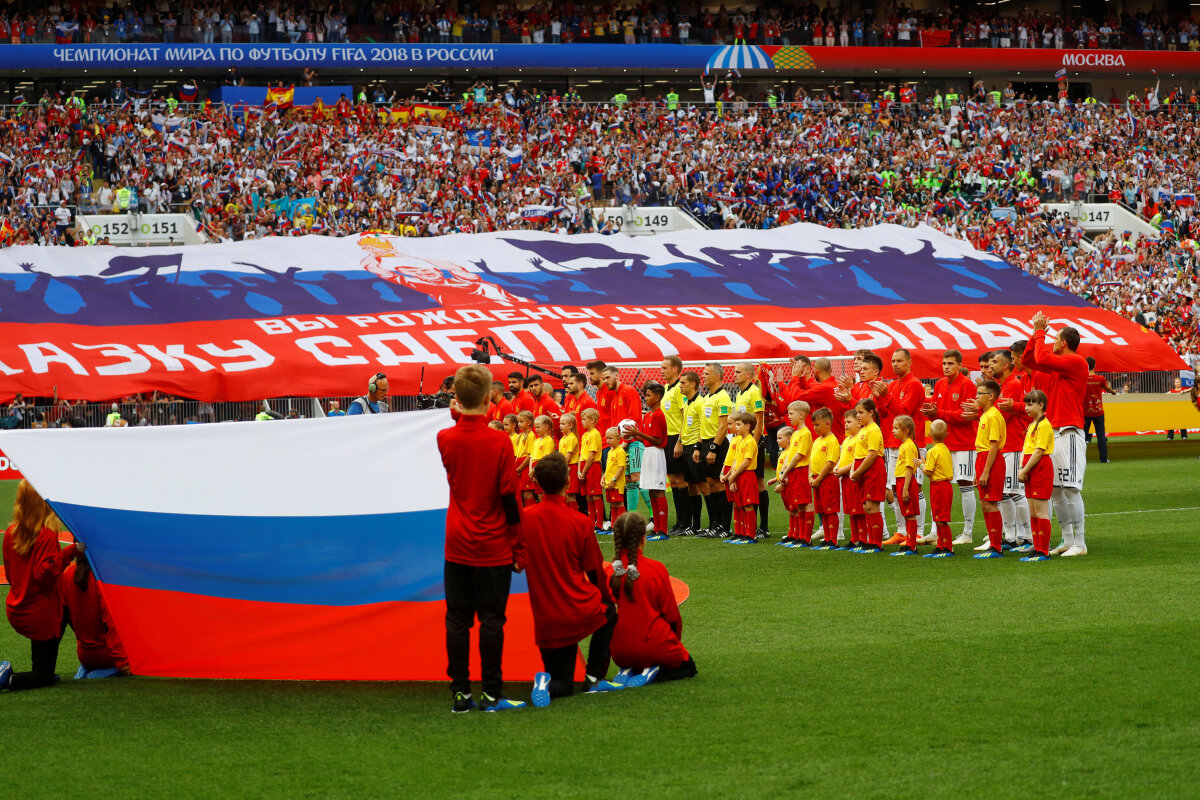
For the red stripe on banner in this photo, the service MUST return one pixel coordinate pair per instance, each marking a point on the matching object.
(8, 470)
(327, 355)
(171, 634)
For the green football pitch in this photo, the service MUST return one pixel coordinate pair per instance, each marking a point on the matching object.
(821, 675)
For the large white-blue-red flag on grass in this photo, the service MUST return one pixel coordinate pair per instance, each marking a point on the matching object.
(313, 315)
(302, 549)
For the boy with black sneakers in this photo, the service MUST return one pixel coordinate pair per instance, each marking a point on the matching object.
(568, 589)
(483, 542)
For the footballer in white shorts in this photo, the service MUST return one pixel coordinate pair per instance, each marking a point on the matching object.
(654, 469)
(964, 465)
(1012, 465)
(1069, 458)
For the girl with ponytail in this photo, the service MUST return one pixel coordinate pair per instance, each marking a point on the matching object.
(647, 641)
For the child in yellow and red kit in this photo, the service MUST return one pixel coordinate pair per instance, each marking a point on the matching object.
(568, 445)
(614, 476)
(851, 496)
(590, 445)
(797, 494)
(939, 466)
(543, 445)
(826, 492)
(741, 480)
(908, 485)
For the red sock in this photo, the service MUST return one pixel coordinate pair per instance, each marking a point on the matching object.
(830, 523)
(858, 526)
(806, 527)
(875, 529)
(659, 506)
(995, 529)
(910, 528)
(615, 510)
(748, 521)
(945, 541)
(796, 525)
(854, 529)
(596, 504)
(1041, 536)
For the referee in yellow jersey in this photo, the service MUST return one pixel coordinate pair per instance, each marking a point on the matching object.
(672, 407)
(714, 444)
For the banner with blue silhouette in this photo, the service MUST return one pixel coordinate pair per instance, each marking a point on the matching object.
(317, 315)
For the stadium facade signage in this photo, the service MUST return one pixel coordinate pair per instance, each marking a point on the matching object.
(1091, 59)
(746, 58)
(314, 314)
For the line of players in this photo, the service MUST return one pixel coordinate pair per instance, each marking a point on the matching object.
(982, 429)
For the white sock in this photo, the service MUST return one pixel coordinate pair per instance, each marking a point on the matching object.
(1024, 526)
(1075, 502)
(843, 534)
(921, 515)
(1008, 515)
(1058, 502)
(895, 504)
(968, 507)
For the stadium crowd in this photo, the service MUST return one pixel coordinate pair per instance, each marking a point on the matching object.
(974, 164)
(552, 23)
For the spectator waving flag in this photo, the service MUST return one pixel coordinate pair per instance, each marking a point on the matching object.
(64, 32)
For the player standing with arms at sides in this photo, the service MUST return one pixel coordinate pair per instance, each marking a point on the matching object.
(568, 591)
(590, 445)
(741, 478)
(749, 400)
(568, 446)
(595, 371)
(544, 403)
(499, 407)
(1037, 472)
(908, 485)
(905, 396)
(521, 400)
(1067, 381)
(672, 409)
(1093, 409)
(989, 465)
(950, 396)
(687, 449)
(1014, 508)
(578, 400)
(939, 466)
(714, 444)
(869, 472)
(483, 542)
(626, 402)
(852, 505)
(783, 444)
(647, 641)
(652, 433)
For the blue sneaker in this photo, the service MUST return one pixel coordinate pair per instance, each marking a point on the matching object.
(642, 678)
(991, 554)
(5, 674)
(940, 554)
(110, 672)
(462, 703)
(803, 545)
(658, 537)
(540, 696)
(1036, 557)
(622, 677)
(824, 547)
(81, 673)
(785, 542)
(489, 703)
(1024, 547)
(603, 686)
(904, 552)
(843, 547)
(1005, 547)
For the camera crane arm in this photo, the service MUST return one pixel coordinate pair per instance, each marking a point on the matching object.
(485, 346)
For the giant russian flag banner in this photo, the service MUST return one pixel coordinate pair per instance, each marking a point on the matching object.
(306, 549)
(315, 315)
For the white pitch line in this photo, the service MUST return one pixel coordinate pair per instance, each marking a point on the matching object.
(1145, 511)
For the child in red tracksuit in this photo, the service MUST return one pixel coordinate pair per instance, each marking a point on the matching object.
(568, 589)
(100, 652)
(646, 643)
(33, 560)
